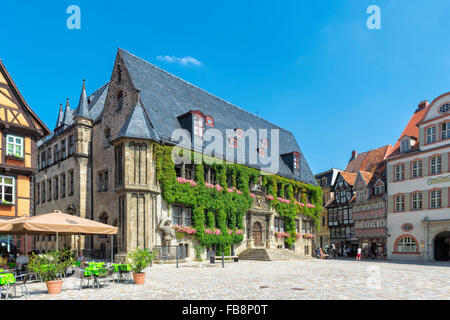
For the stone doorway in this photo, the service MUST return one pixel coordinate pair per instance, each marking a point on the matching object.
(257, 234)
(442, 246)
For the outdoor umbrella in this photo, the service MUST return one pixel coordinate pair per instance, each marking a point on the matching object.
(60, 223)
(5, 225)
(57, 223)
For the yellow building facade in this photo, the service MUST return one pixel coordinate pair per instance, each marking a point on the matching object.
(20, 129)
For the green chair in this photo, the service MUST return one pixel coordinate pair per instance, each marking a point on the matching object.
(114, 271)
(102, 274)
(6, 279)
(125, 272)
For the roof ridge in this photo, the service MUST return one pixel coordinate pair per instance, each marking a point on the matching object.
(203, 90)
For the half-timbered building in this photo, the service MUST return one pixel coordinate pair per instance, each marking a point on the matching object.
(20, 129)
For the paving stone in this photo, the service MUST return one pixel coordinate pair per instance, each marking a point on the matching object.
(334, 280)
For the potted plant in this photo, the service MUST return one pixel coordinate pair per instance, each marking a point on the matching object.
(140, 259)
(51, 267)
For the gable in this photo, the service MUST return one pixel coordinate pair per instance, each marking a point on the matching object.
(439, 108)
(13, 109)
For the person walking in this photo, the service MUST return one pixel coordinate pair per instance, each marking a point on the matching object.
(358, 255)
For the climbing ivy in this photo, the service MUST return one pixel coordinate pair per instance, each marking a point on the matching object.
(223, 208)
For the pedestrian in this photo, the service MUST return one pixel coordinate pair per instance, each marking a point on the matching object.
(358, 255)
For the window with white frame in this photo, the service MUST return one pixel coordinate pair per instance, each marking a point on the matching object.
(435, 199)
(417, 169)
(406, 244)
(405, 145)
(400, 203)
(417, 201)
(431, 135)
(445, 131)
(435, 167)
(7, 189)
(399, 172)
(14, 146)
(182, 216)
(198, 125)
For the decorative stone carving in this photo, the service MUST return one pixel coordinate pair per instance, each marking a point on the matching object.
(168, 232)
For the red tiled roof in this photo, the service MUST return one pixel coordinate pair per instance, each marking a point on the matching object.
(349, 177)
(411, 130)
(368, 161)
(366, 176)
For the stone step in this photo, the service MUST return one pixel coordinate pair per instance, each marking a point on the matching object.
(263, 254)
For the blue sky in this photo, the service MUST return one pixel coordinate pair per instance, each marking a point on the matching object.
(312, 67)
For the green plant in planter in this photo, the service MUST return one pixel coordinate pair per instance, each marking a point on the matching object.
(140, 259)
(50, 266)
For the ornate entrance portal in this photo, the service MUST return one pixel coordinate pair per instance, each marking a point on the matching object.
(442, 247)
(257, 234)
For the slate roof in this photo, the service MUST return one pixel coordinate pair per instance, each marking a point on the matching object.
(138, 126)
(83, 106)
(165, 97)
(60, 117)
(96, 102)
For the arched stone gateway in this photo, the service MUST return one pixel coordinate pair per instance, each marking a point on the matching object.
(257, 234)
(442, 246)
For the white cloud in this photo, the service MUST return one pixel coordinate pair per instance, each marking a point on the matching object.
(183, 61)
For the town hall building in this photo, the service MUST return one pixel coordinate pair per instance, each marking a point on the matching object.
(100, 163)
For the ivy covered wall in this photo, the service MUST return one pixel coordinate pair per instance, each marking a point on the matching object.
(219, 210)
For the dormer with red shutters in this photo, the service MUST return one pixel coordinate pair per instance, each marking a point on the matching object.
(194, 122)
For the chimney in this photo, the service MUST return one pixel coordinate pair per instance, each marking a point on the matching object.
(354, 155)
(422, 105)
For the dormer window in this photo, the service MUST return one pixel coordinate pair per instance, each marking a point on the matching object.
(296, 161)
(210, 121)
(198, 124)
(239, 133)
(405, 144)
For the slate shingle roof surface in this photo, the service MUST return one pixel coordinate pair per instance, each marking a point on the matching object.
(97, 102)
(83, 107)
(138, 126)
(165, 97)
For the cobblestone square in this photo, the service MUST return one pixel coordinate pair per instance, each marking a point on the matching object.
(274, 280)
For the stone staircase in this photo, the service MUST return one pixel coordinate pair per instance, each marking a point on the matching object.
(263, 254)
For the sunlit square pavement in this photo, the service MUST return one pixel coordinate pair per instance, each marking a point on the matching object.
(273, 280)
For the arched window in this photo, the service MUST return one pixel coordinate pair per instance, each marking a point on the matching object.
(120, 100)
(406, 244)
